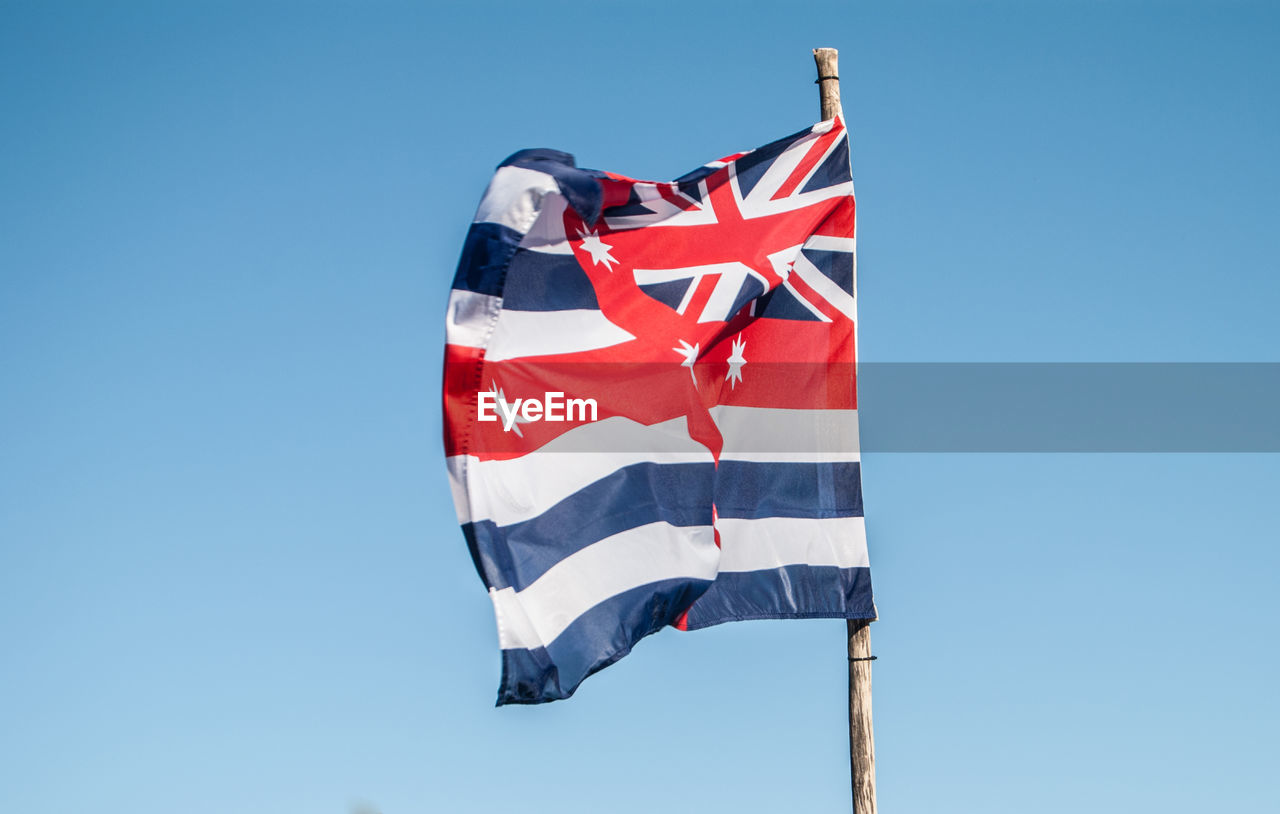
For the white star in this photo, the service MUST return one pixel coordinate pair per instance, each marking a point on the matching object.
(597, 248)
(690, 354)
(736, 362)
(504, 410)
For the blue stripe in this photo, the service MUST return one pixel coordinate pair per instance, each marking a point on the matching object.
(751, 288)
(517, 554)
(539, 281)
(751, 167)
(791, 592)
(533, 157)
(749, 489)
(834, 170)
(670, 293)
(689, 185)
(594, 640)
(633, 206)
(485, 256)
(838, 266)
(581, 188)
(691, 179)
(780, 303)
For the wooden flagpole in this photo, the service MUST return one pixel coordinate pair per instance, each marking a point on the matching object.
(862, 747)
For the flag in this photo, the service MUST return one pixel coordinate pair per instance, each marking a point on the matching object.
(650, 403)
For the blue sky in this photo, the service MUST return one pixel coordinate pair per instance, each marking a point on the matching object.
(230, 577)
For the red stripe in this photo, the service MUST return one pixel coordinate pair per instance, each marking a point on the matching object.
(817, 151)
(841, 222)
(647, 394)
(815, 299)
(681, 622)
(462, 369)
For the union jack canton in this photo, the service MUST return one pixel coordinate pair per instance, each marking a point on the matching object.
(650, 403)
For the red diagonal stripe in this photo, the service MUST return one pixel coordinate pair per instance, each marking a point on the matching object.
(816, 151)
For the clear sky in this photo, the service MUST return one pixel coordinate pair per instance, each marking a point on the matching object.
(230, 575)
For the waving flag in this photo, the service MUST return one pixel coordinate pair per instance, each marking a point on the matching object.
(650, 403)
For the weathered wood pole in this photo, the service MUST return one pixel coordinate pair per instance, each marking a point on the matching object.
(862, 742)
(828, 81)
(862, 747)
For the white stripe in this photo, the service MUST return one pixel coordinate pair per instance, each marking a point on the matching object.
(514, 197)
(830, 243)
(509, 491)
(629, 559)
(457, 466)
(538, 333)
(801, 299)
(663, 211)
(547, 233)
(780, 170)
(783, 261)
(730, 277)
(470, 318)
(515, 631)
(825, 287)
(774, 434)
(766, 543)
(760, 201)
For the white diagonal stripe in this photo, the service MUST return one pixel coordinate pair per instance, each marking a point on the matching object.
(825, 287)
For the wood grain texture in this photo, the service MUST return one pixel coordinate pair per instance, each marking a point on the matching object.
(828, 61)
(862, 742)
